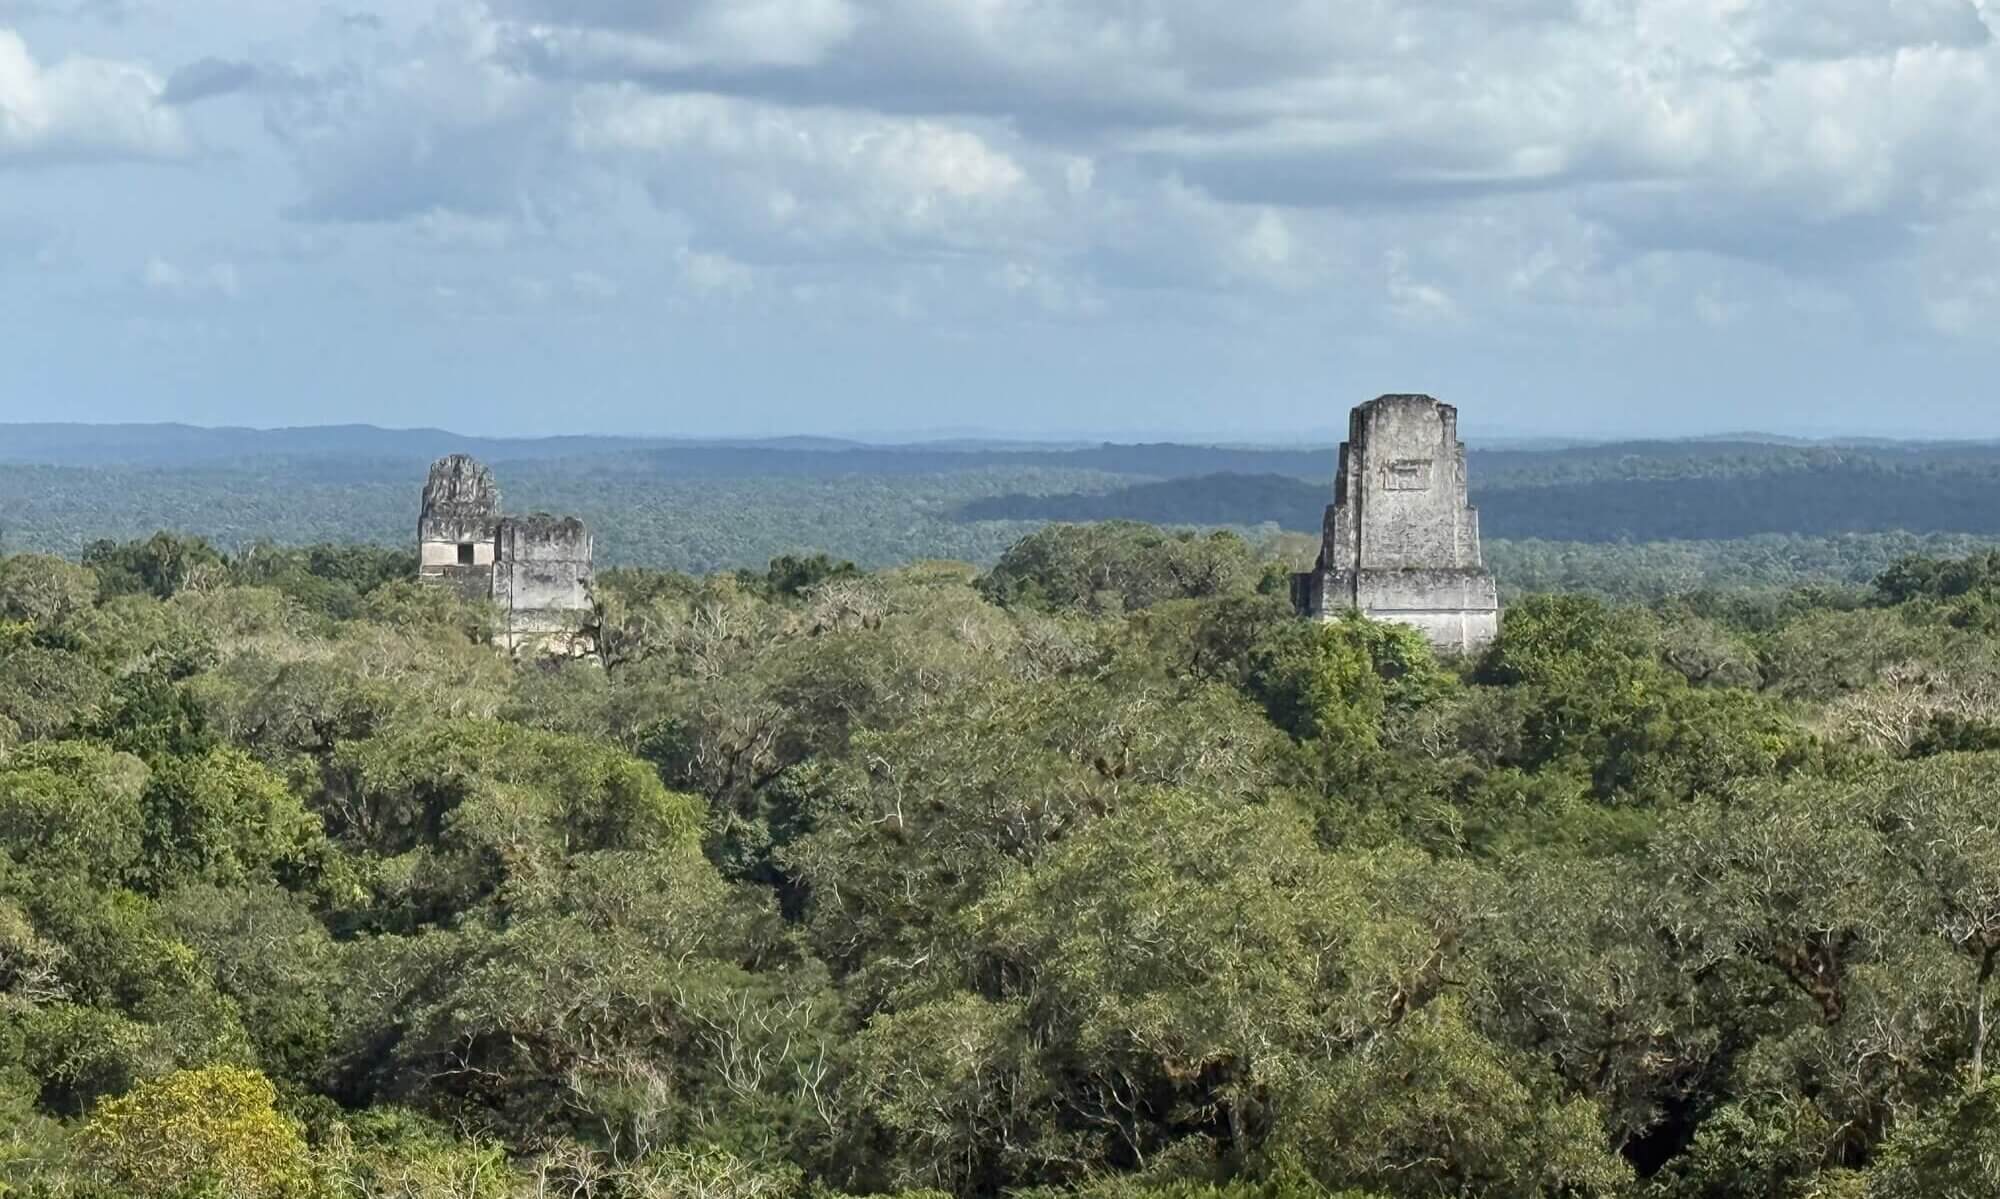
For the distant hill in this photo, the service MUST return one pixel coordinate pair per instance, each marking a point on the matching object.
(168, 445)
(709, 505)
(1626, 496)
(176, 445)
(181, 445)
(55, 444)
(1220, 499)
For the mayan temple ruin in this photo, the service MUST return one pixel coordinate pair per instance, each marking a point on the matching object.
(1400, 542)
(535, 569)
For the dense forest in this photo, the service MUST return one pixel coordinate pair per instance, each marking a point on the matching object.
(1564, 498)
(1095, 873)
(1631, 520)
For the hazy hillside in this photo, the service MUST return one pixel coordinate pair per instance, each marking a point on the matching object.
(1627, 498)
(1838, 512)
(63, 444)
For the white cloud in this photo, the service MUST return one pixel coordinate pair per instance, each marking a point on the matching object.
(1266, 247)
(434, 129)
(216, 279)
(813, 181)
(1415, 301)
(450, 228)
(1799, 133)
(712, 274)
(81, 108)
(1051, 291)
(1515, 159)
(622, 37)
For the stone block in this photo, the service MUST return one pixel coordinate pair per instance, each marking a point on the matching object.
(1400, 542)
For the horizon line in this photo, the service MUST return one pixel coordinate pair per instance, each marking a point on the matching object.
(916, 437)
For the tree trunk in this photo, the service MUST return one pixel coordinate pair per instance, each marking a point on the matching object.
(1979, 1025)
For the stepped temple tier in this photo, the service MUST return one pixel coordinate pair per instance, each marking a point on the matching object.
(535, 569)
(1400, 541)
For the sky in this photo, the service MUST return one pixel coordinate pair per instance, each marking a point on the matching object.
(1222, 218)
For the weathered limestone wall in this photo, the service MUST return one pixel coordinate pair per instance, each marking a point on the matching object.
(1400, 541)
(461, 501)
(1458, 610)
(461, 509)
(1399, 497)
(541, 581)
(535, 569)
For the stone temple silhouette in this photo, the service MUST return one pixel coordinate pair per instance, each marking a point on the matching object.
(1400, 541)
(536, 569)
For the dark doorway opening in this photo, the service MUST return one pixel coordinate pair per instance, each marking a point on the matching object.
(465, 553)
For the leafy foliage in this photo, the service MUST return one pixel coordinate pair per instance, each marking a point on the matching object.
(1097, 875)
(197, 1132)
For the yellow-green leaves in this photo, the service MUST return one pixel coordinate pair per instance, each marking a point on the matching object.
(198, 1132)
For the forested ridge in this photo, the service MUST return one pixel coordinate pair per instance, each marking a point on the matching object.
(1636, 520)
(1569, 498)
(1096, 873)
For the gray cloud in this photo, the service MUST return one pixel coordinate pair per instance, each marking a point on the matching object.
(211, 77)
(1363, 173)
(698, 34)
(1306, 104)
(432, 125)
(1174, 144)
(1834, 29)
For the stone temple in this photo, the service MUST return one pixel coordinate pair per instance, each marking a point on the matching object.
(1400, 541)
(535, 569)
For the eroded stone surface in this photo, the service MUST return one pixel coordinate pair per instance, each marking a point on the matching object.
(536, 569)
(541, 580)
(1400, 541)
(456, 524)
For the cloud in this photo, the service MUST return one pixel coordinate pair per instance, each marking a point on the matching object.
(216, 279)
(1831, 29)
(210, 77)
(1415, 301)
(1957, 275)
(82, 108)
(1678, 124)
(714, 274)
(810, 181)
(1584, 157)
(619, 37)
(1727, 133)
(207, 78)
(437, 126)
